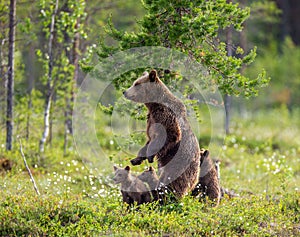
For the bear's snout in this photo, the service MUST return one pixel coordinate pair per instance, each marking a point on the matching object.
(115, 179)
(127, 95)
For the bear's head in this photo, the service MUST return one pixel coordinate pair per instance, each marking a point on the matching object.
(121, 175)
(146, 89)
(148, 175)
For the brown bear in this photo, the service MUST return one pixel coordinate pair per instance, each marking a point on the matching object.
(150, 177)
(170, 137)
(208, 184)
(133, 189)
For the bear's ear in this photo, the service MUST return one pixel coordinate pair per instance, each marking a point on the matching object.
(206, 153)
(201, 159)
(203, 156)
(115, 168)
(153, 76)
(127, 168)
(151, 168)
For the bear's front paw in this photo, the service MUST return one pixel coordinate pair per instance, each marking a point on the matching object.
(137, 161)
(150, 159)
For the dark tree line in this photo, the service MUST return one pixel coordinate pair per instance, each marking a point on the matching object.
(290, 19)
(50, 54)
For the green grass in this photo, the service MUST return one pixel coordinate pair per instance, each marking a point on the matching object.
(73, 215)
(260, 162)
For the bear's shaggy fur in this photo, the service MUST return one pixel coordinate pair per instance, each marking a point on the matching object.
(133, 189)
(209, 184)
(170, 137)
(5, 164)
(151, 179)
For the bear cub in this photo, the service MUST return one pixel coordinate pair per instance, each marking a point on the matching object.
(132, 188)
(208, 184)
(151, 179)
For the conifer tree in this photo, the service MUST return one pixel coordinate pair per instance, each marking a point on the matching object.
(195, 28)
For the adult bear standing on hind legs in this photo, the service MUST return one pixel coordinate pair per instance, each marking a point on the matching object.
(170, 137)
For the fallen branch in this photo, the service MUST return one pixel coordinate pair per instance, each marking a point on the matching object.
(26, 165)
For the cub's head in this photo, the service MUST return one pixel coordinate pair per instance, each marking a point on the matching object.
(206, 164)
(121, 174)
(148, 175)
(145, 89)
(204, 155)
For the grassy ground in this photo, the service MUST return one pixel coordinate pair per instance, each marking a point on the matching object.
(260, 162)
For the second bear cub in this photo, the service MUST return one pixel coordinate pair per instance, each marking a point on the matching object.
(150, 177)
(132, 188)
(208, 184)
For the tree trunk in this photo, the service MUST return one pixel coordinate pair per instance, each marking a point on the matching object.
(49, 83)
(31, 73)
(66, 126)
(295, 17)
(227, 103)
(227, 98)
(285, 21)
(10, 76)
(29, 107)
(52, 117)
(3, 85)
(75, 62)
(244, 45)
(74, 59)
(290, 19)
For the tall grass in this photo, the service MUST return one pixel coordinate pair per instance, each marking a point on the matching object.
(260, 161)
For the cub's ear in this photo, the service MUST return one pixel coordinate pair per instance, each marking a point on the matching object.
(115, 168)
(153, 76)
(127, 168)
(151, 168)
(206, 153)
(203, 155)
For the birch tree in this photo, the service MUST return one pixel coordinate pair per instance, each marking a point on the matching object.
(72, 30)
(227, 97)
(61, 63)
(4, 22)
(49, 77)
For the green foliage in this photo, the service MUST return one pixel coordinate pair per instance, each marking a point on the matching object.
(260, 162)
(264, 18)
(194, 27)
(283, 68)
(67, 24)
(96, 21)
(84, 217)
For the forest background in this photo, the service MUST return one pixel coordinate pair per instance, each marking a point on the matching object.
(56, 43)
